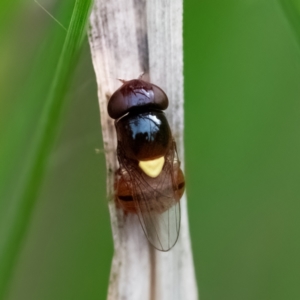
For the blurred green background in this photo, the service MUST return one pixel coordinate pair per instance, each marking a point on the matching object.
(242, 139)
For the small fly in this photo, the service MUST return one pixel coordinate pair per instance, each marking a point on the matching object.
(149, 181)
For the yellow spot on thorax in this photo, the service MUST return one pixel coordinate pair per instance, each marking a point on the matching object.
(152, 167)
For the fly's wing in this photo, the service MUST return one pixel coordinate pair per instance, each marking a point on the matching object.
(156, 203)
(159, 214)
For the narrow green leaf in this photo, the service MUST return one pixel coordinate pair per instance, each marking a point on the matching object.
(46, 132)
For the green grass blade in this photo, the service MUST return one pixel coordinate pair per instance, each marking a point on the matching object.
(35, 163)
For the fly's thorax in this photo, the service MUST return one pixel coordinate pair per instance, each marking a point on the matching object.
(144, 136)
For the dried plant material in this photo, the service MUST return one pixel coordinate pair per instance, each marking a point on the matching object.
(128, 38)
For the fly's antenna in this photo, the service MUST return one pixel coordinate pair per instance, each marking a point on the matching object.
(141, 75)
(49, 14)
(144, 76)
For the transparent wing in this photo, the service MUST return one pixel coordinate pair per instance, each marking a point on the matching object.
(157, 203)
(159, 215)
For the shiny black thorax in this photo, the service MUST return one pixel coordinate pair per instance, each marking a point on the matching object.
(144, 135)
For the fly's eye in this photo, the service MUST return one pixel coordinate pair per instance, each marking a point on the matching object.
(136, 94)
(144, 136)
